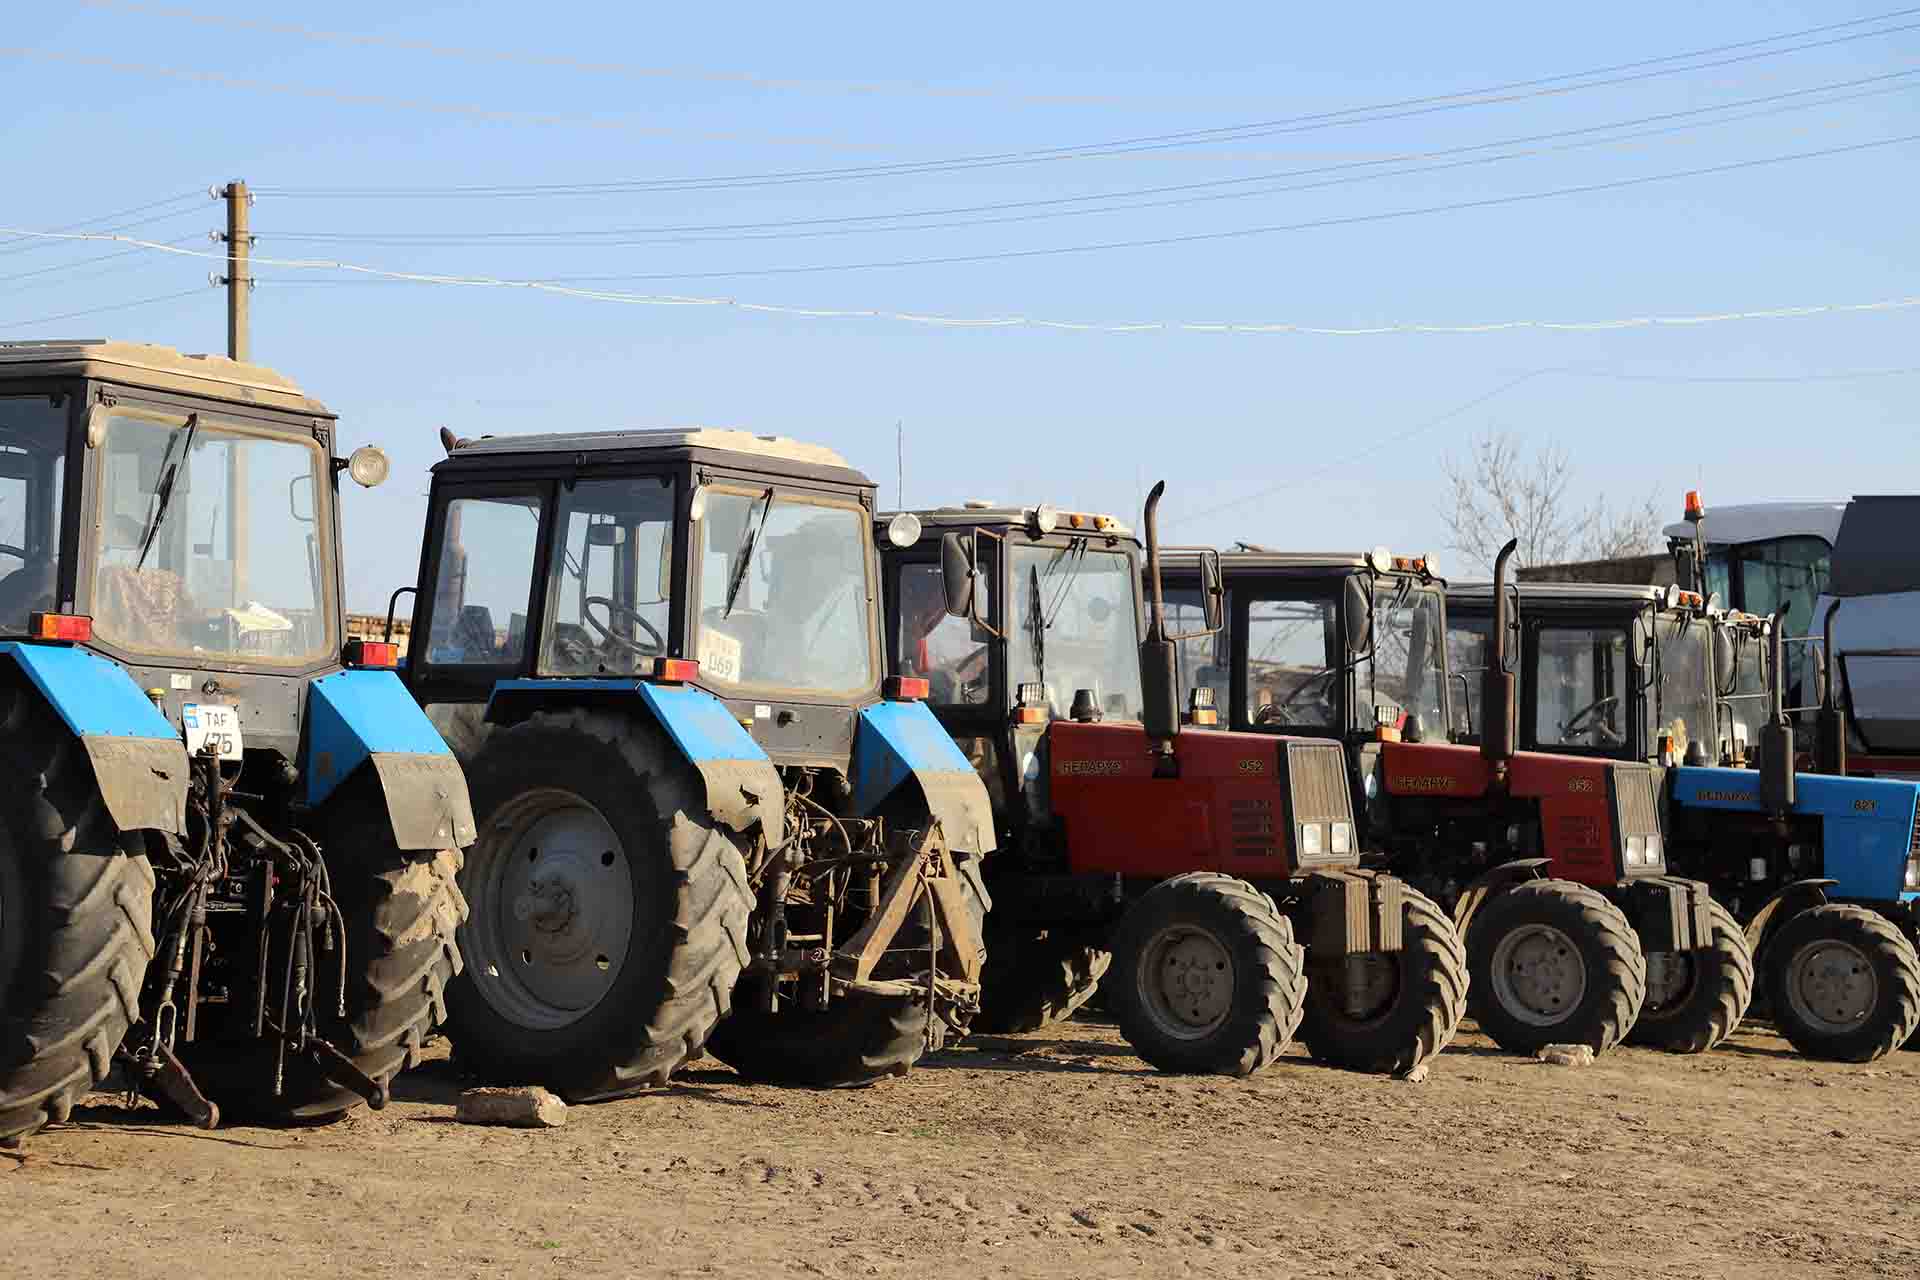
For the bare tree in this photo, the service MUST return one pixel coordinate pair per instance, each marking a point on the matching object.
(1502, 491)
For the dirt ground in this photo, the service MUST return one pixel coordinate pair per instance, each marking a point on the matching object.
(1046, 1156)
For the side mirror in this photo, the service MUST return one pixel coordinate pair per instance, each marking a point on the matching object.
(1725, 662)
(956, 573)
(605, 535)
(1213, 591)
(1359, 616)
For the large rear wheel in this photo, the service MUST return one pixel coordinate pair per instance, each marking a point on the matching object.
(1036, 978)
(1842, 983)
(76, 907)
(609, 910)
(1207, 978)
(1553, 962)
(1388, 1012)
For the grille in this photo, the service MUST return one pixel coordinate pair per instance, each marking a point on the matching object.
(1317, 782)
(1636, 803)
(1253, 828)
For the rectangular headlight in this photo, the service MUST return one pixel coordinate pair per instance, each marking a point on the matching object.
(1636, 850)
(1654, 851)
(1913, 874)
(1342, 839)
(1312, 839)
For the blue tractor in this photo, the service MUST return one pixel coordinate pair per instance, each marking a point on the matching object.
(228, 853)
(707, 816)
(1819, 870)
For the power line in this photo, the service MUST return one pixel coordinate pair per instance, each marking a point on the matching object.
(1008, 322)
(82, 262)
(109, 217)
(783, 229)
(1198, 237)
(1547, 86)
(570, 63)
(94, 311)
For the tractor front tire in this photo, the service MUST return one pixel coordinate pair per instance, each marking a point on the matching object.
(1036, 978)
(609, 909)
(1417, 998)
(1206, 976)
(76, 922)
(1553, 962)
(1842, 983)
(1695, 1000)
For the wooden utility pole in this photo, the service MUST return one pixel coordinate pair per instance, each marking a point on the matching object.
(239, 280)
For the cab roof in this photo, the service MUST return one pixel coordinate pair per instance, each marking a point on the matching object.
(1252, 558)
(1564, 592)
(156, 368)
(719, 445)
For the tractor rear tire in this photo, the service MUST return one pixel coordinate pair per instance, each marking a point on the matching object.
(855, 1040)
(1553, 962)
(1206, 976)
(1036, 978)
(76, 921)
(640, 908)
(402, 910)
(1704, 1005)
(1423, 999)
(1852, 955)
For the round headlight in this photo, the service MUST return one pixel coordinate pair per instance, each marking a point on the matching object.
(904, 529)
(1045, 519)
(1381, 559)
(368, 466)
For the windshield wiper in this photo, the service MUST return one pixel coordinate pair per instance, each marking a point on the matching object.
(163, 489)
(743, 555)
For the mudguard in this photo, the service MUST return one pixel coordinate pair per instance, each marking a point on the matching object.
(1790, 901)
(1867, 824)
(357, 718)
(1491, 882)
(743, 788)
(898, 742)
(139, 761)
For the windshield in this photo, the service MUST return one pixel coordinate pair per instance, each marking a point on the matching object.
(33, 452)
(1686, 699)
(1405, 668)
(1580, 688)
(1747, 703)
(208, 541)
(612, 575)
(785, 601)
(1074, 626)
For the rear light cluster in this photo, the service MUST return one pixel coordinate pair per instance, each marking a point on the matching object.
(67, 628)
(905, 688)
(371, 653)
(1200, 707)
(676, 670)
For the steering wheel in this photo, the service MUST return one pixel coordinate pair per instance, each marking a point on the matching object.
(1573, 726)
(605, 629)
(18, 553)
(1276, 711)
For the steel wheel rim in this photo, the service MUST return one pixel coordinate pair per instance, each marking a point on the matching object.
(552, 913)
(1832, 985)
(1539, 975)
(1670, 979)
(1186, 981)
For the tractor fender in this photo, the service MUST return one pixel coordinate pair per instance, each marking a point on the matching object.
(900, 744)
(742, 786)
(367, 718)
(139, 760)
(1490, 884)
(1790, 901)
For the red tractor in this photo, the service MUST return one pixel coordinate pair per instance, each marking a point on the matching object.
(1553, 863)
(1221, 870)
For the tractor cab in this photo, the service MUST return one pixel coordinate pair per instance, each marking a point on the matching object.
(659, 654)
(1049, 630)
(171, 603)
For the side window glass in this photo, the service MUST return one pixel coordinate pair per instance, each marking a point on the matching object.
(1292, 677)
(1202, 661)
(1580, 698)
(485, 580)
(937, 645)
(1468, 648)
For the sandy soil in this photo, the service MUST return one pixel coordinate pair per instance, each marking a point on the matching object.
(1048, 1156)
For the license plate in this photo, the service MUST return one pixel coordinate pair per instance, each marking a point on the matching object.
(211, 724)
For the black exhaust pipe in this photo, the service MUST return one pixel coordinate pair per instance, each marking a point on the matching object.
(1499, 711)
(1830, 729)
(1776, 735)
(1159, 681)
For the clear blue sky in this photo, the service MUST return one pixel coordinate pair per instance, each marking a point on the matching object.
(1018, 414)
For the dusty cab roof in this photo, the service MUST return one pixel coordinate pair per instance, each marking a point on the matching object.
(1261, 560)
(157, 368)
(1565, 593)
(720, 444)
(995, 513)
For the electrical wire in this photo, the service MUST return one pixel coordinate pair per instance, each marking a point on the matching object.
(1126, 146)
(94, 311)
(19, 247)
(82, 262)
(787, 229)
(1005, 322)
(568, 63)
